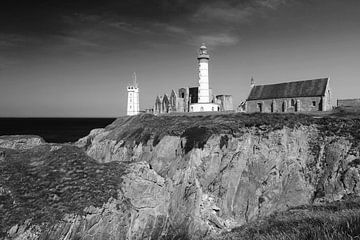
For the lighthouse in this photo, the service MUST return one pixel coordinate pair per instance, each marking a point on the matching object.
(204, 103)
(204, 89)
(133, 98)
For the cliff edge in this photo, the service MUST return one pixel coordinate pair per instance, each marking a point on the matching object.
(178, 177)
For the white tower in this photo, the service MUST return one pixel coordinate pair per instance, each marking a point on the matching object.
(204, 103)
(204, 90)
(133, 98)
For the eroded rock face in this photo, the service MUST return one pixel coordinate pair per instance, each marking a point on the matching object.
(64, 194)
(20, 141)
(171, 192)
(233, 180)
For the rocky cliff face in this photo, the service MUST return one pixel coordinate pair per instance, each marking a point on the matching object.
(189, 177)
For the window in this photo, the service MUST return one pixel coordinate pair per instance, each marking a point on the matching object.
(182, 95)
(202, 109)
(283, 107)
(192, 108)
(293, 102)
(259, 105)
(313, 103)
(212, 109)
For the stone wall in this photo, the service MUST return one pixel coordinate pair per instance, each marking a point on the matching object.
(181, 106)
(225, 102)
(305, 104)
(348, 102)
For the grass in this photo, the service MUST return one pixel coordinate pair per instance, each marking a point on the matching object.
(42, 186)
(197, 128)
(336, 220)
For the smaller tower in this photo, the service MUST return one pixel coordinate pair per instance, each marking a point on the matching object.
(133, 98)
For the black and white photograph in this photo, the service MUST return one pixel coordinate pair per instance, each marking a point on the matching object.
(180, 120)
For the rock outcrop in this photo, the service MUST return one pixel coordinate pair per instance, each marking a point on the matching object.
(176, 177)
(20, 141)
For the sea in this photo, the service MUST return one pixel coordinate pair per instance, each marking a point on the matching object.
(52, 130)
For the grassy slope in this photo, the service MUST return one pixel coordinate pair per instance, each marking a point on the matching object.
(336, 220)
(198, 128)
(42, 186)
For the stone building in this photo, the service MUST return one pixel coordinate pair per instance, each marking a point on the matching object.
(299, 96)
(348, 102)
(177, 102)
(225, 102)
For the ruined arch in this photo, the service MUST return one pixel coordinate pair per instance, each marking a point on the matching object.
(173, 101)
(157, 108)
(165, 104)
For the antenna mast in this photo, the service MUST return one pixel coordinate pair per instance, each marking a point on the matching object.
(134, 79)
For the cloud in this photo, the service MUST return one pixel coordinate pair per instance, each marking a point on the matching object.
(273, 4)
(47, 17)
(175, 29)
(221, 39)
(92, 24)
(223, 14)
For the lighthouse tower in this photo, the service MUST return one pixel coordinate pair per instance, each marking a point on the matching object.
(204, 89)
(133, 98)
(204, 103)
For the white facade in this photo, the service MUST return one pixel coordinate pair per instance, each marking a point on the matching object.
(133, 107)
(204, 107)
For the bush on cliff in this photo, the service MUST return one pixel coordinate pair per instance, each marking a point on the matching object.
(198, 128)
(44, 185)
(336, 220)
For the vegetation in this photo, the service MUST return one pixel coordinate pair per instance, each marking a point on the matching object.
(336, 220)
(197, 128)
(43, 185)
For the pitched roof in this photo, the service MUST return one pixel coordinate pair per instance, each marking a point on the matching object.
(307, 88)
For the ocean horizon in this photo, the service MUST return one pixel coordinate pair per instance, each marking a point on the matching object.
(51, 129)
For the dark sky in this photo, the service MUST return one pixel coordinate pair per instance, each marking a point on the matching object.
(75, 58)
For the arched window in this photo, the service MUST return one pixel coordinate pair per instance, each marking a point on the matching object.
(293, 102)
(192, 109)
(201, 109)
(259, 105)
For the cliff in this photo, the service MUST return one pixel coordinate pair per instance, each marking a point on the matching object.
(177, 177)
